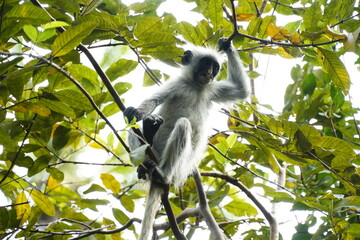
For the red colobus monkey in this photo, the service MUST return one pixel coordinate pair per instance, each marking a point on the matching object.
(179, 137)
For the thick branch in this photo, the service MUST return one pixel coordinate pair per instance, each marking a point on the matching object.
(204, 209)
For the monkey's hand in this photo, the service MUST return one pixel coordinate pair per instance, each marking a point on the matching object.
(151, 168)
(224, 44)
(146, 167)
(151, 125)
(132, 113)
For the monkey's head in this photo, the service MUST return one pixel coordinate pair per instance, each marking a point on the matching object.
(203, 64)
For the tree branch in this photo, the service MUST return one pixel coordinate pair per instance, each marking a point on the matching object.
(27, 132)
(204, 209)
(269, 217)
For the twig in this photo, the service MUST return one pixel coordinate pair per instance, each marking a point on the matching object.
(78, 85)
(249, 170)
(19, 150)
(271, 219)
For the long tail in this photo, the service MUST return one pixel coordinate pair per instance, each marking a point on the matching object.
(151, 208)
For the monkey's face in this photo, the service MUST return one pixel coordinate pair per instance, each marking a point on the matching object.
(207, 70)
(204, 68)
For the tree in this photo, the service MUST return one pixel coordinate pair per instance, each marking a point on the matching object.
(53, 107)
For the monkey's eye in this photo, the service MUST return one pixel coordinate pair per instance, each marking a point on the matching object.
(216, 69)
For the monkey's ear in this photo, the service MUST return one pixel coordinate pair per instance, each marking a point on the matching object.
(186, 58)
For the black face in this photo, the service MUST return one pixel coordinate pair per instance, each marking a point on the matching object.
(205, 71)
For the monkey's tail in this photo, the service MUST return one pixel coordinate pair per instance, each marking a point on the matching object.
(151, 208)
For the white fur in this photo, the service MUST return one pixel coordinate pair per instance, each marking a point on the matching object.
(185, 107)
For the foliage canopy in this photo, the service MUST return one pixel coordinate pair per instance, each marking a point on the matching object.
(53, 106)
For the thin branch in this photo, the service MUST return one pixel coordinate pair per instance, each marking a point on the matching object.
(27, 132)
(326, 166)
(251, 124)
(249, 170)
(78, 85)
(98, 142)
(271, 219)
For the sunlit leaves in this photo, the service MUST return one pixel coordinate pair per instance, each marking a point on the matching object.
(42, 202)
(27, 13)
(22, 207)
(71, 38)
(336, 69)
(312, 16)
(120, 68)
(110, 182)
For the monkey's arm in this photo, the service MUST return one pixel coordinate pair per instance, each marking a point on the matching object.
(237, 84)
(148, 105)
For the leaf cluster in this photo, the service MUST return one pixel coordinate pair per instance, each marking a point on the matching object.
(50, 100)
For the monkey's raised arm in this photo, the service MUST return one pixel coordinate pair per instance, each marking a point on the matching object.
(237, 84)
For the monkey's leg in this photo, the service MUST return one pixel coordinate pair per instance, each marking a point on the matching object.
(176, 161)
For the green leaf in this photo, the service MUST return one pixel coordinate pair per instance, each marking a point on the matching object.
(348, 202)
(241, 208)
(27, 13)
(147, 26)
(58, 107)
(71, 38)
(38, 165)
(312, 16)
(56, 173)
(4, 66)
(110, 109)
(110, 182)
(120, 216)
(336, 69)
(120, 68)
(31, 32)
(74, 99)
(15, 81)
(42, 202)
(189, 32)
(122, 87)
(353, 230)
(337, 146)
(148, 81)
(55, 24)
(60, 137)
(90, 203)
(309, 84)
(216, 16)
(127, 203)
(45, 35)
(94, 188)
(79, 72)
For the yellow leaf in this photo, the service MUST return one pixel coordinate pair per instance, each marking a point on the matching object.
(23, 208)
(95, 145)
(52, 183)
(43, 202)
(334, 35)
(277, 33)
(295, 38)
(110, 182)
(245, 17)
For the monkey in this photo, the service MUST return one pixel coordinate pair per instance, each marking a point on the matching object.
(179, 138)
